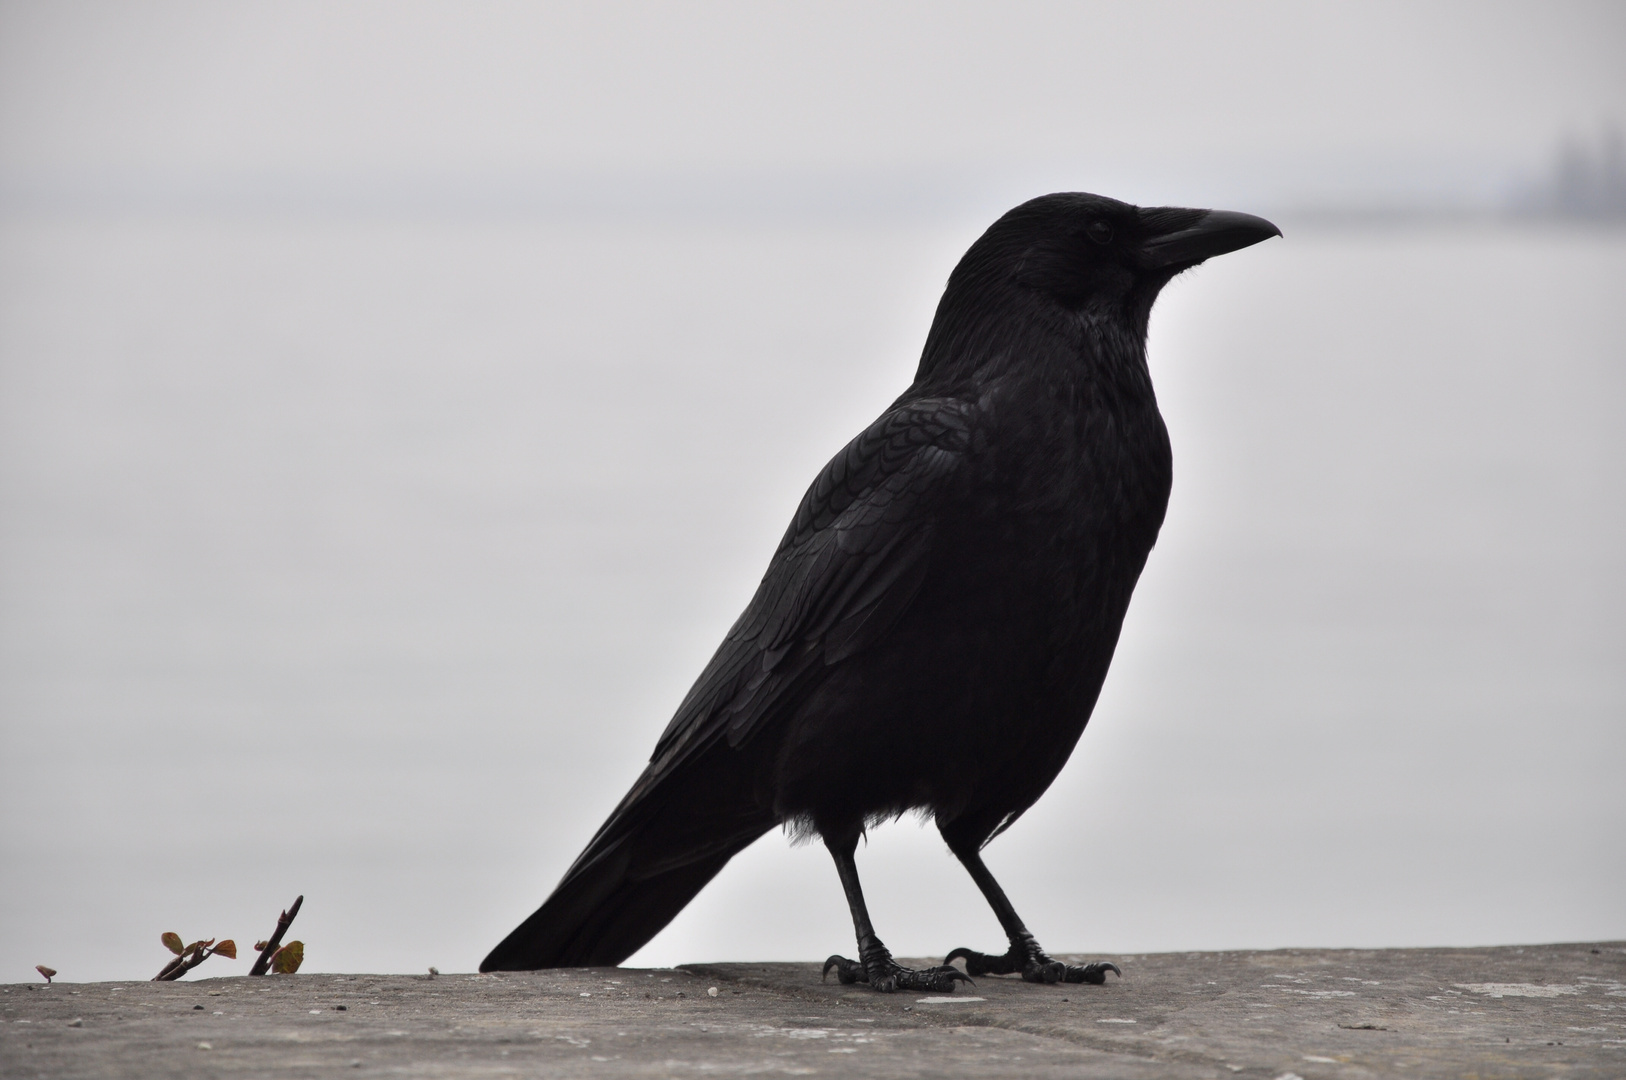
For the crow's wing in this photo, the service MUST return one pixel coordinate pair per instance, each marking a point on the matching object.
(850, 563)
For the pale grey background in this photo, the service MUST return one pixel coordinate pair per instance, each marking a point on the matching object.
(397, 403)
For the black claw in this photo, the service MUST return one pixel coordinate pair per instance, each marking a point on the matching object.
(977, 963)
(938, 979)
(1094, 974)
(941, 979)
(1034, 966)
(885, 976)
(1044, 971)
(847, 971)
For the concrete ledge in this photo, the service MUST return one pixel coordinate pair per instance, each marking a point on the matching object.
(1538, 1011)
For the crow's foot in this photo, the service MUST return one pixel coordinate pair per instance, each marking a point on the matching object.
(886, 976)
(1034, 965)
(1094, 973)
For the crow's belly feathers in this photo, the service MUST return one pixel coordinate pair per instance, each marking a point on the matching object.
(972, 703)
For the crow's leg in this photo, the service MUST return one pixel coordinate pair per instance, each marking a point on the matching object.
(1024, 955)
(874, 964)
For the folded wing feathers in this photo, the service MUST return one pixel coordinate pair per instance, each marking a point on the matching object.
(852, 559)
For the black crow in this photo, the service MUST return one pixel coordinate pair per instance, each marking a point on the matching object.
(934, 628)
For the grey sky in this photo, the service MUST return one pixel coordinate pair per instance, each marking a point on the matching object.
(1281, 95)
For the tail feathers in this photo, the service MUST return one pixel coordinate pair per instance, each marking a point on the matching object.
(603, 915)
(672, 833)
(606, 910)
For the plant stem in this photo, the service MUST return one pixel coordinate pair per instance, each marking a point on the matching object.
(285, 920)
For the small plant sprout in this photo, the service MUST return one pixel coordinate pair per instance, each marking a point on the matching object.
(43, 970)
(190, 956)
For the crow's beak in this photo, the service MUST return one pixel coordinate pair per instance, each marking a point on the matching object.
(1215, 233)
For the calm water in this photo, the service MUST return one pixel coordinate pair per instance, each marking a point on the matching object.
(365, 560)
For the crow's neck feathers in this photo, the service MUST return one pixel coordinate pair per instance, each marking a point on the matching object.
(990, 329)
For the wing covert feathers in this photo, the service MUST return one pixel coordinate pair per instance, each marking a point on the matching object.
(853, 558)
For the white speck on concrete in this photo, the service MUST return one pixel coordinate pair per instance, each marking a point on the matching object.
(1317, 993)
(1502, 990)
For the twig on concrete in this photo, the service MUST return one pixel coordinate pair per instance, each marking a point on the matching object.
(269, 949)
(190, 956)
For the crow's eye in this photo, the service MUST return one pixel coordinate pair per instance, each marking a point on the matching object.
(1100, 232)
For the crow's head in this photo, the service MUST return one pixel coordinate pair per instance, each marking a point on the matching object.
(1087, 249)
(1084, 250)
(1074, 254)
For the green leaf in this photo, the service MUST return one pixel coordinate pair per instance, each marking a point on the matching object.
(288, 958)
(172, 942)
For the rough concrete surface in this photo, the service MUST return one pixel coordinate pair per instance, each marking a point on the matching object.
(1538, 1011)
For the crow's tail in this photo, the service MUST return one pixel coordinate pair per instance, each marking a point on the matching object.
(659, 848)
